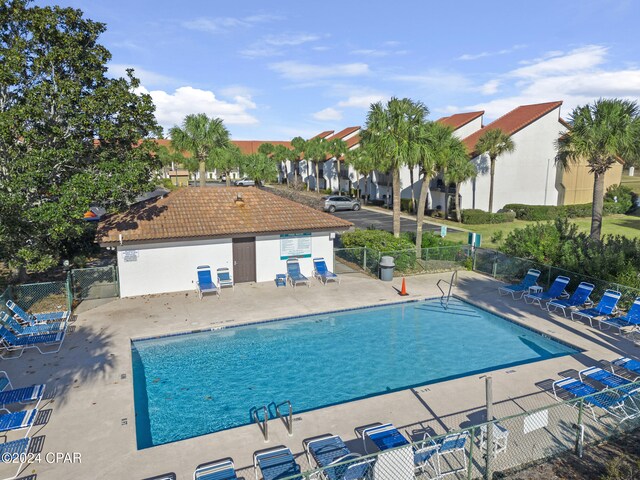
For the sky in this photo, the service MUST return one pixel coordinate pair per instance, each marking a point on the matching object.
(279, 69)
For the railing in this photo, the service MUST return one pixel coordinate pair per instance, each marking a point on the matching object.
(288, 421)
(451, 283)
(263, 424)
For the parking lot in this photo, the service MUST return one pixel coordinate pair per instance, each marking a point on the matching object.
(382, 221)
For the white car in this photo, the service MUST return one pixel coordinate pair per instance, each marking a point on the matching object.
(245, 182)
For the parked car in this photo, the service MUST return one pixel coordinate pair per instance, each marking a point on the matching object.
(331, 204)
(244, 182)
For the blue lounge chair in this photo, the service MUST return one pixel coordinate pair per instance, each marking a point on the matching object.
(330, 450)
(11, 342)
(606, 306)
(293, 273)
(610, 402)
(15, 452)
(428, 454)
(224, 278)
(205, 281)
(218, 470)
(530, 279)
(10, 395)
(629, 321)
(322, 273)
(579, 298)
(34, 319)
(38, 329)
(13, 422)
(557, 290)
(628, 364)
(275, 464)
(610, 379)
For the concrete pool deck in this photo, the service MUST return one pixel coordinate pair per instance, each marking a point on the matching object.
(92, 411)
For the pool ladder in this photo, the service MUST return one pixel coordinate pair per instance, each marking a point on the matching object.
(287, 418)
(454, 281)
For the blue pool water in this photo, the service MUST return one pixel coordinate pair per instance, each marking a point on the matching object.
(194, 384)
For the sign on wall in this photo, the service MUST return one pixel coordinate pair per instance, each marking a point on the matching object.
(295, 245)
(130, 255)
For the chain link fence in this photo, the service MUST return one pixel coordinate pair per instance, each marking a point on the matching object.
(94, 283)
(407, 262)
(491, 449)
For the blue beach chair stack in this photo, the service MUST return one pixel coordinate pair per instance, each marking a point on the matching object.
(606, 306)
(331, 450)
(579, 298)
(517, 291)
(557, 290)
(322, 273)
(630, 321)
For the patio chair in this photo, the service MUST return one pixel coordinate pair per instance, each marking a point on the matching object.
(322, 273)
(205, 281)
(449, 451)
(15, 421)
(275, 463)
(606, 306)
(293, 273)
(611, 380)
(557, 290)
(579, 298)
(24, 395)
(224, 278)
(628, 364)
(329, 450)
(530, 280)
(401, 462)
(608, 401)
(37, 318)
(218, 470)
(38, 329)
(629, 321)
(11, 342)
(15, 450)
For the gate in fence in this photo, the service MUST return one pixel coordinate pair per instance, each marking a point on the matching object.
(97, 282)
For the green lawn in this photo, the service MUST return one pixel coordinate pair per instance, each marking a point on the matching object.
(632, 182)
(627, 225)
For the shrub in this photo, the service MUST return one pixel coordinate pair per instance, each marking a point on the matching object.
(624, 196)
(478, 217)
(377, 240)
(405, 205)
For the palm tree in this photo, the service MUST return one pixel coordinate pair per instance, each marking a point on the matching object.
(282, 155)
(435, 143)
(363, 164)
(298, 144)
(227, 159)
(337, 148)
(315, 150)
(494, 142)
(200, 135)
(459, 169)
(391, 134)
(601, 134)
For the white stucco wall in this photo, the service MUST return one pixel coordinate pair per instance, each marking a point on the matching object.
(168, 267)
(268, 262)
(527, 175)
(471, 127)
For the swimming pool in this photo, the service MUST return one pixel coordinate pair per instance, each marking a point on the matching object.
(199, 383)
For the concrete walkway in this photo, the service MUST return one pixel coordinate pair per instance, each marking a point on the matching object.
(92, 411)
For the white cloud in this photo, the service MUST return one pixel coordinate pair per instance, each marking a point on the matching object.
(437, 80)
(222, 24)
(147, 77)
(362, 101)
(305, 71)
(576, 77)
(171, 108)
(476, 56)
(378, 52)
(577, 60)
(328, 114)
(290, 39)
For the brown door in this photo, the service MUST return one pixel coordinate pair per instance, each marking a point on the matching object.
(244, 260)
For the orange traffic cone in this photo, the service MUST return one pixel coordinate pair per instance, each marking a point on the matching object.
(403, 290)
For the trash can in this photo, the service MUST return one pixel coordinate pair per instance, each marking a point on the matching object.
(387, 265)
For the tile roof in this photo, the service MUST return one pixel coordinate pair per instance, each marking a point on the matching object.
(343, 133)
(458, 120)
(206, 212)
(245, 146)
(324, 134)
(513, 121)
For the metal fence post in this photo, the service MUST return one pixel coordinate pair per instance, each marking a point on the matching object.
(489, 393)
(470, 466)
(364, 259)
(69, 291)
(580, 430)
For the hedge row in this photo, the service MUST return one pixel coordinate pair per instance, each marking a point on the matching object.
(551, 212)
(476, 217)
